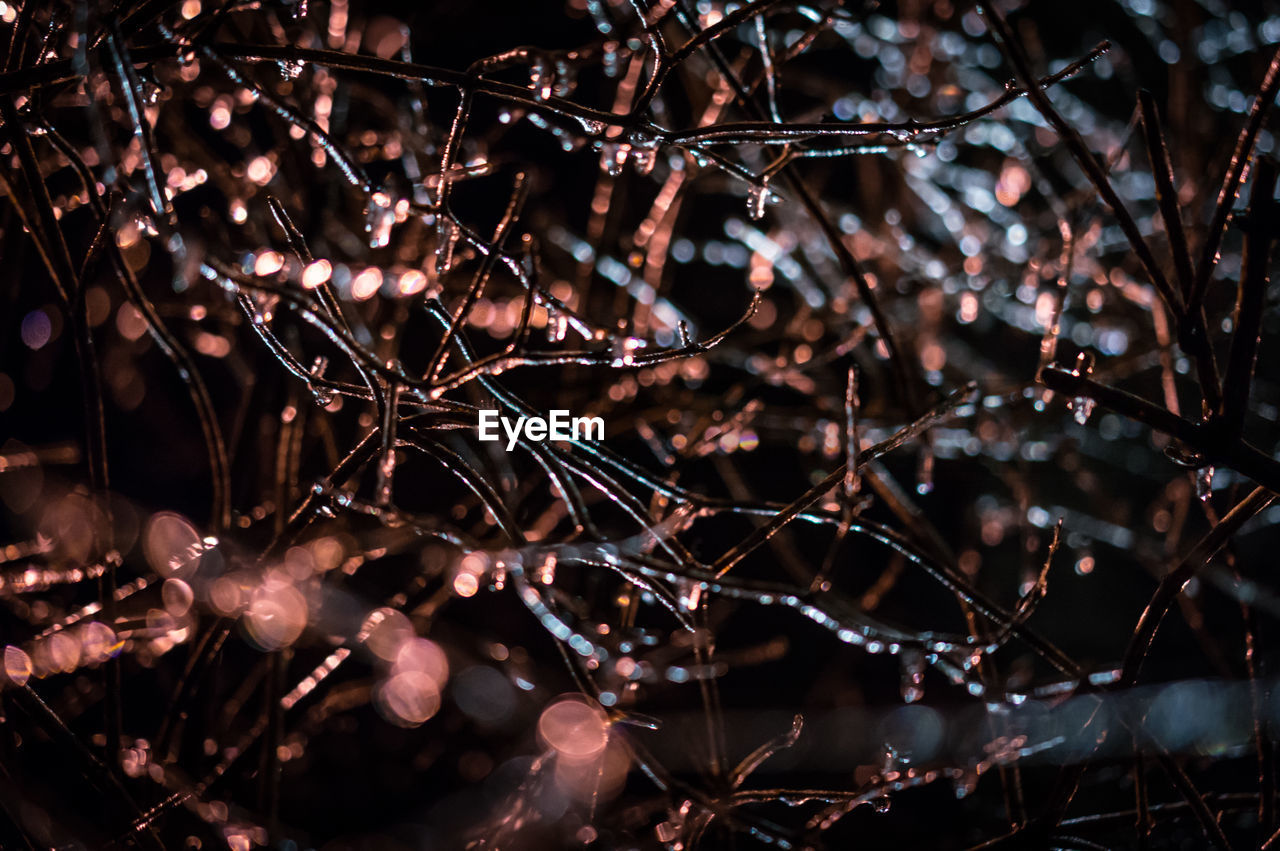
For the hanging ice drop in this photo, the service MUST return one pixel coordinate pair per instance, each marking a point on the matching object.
(379, 216)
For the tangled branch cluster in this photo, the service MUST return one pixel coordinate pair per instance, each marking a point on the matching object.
(873, 302)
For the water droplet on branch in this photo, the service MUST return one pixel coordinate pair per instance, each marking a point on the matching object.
(757, 197)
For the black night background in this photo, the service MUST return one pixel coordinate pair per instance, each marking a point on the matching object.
(935, 347)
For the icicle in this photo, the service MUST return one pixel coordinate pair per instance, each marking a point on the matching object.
(545, 573)
(882, 804)
(1083, 405)
(324, 396)
(290, 68)
(912, 675)
(613, 156)
(757, 197)
(852, 481)
(1204, 483)
(447, 235)
(379, 216)
(644, 151)
(557, 328)
(150, 94)
(542, 80)
(1181, 455)
(689, 593)
(624, 350)
(924, 473)
(1084, 364)
(682, 328)
(386, 476)
(643, 161)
